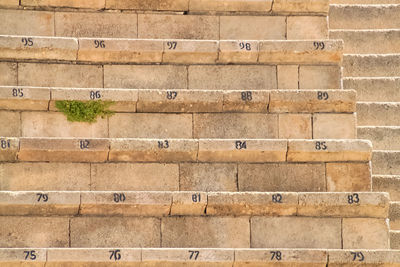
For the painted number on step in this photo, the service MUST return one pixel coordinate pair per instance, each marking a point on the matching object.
(4, 144)
(27, 41)
(277, 198)
(115, 254)
(163, 144)
(357, 256)
(95, 95)
(353, 199)
(247, 96)
(320, 146)
(193, 254)
(42, 197)
(171, 95)
(322, 95)
(172, 45)
(17, 92)
(119, 197)
(245, 46)
(99, 44)
(84, 144)
(319, 45)
(276, 255)
(240, 145)
(30, 255)
(196, 198)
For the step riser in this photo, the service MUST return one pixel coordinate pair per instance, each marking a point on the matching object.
(378, 114)
(394, 215)
(382, 138)
(375, 90)
(371, 66)
(386, 163)
(395, 240)
(389, 184)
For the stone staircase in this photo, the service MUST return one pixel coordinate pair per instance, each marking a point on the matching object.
(371, 32)
(232, 143)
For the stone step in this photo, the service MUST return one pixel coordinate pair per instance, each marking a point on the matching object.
(364, 16)
(383, 138)
(183, 150)
(395, 239)
(371, 65)
(364, 2)
(387, 183)
(368, 41)
(144, 203)
(375, 89)
(394, 215)
(386, 162)
(167, 26)
(194, 231)
(378, 114)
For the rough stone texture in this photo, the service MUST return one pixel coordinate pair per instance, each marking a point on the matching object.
(371, 257)
(374, 65)
(235, 125)
(395, 239)
(288, 76)
(97, 25)
(378, 89)
(176, 5)
(12, 120)
(60, 75)
(189, 203)
(8, 73)
(145, 77)
(134, 177)
(394, 215)
(294, 232)
(207, 177)
(295, 126)
(378, 114)
(232, 77)
(319, 77)
(381, 137)
(201, 232)
(230, 6)
(27, 98)
(190, 51)
(301, 6)
(44, 176)
(365, 233)
(307, 27)
(246, 101)
(9, 148)
(150, 125)
(387, 183)
(55, 124)
(348, 177)
(282, 177)
(238, 52)
(15, 22)
(334, 126)
(37, 232)
(386, 162)
(15, 257)
(156, 26)
(93, 4)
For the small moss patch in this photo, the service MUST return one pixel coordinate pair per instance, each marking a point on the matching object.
(84, 111)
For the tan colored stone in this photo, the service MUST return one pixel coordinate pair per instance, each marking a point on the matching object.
(294, 232)
(246, 101)
(92, 4)
(235, 125)
(301, 6)
(182, 101)
(13, 122)
(9, 3)
(304, 52)
(63, 150)
(38, 48)
(134, 177)
(151, 5)
(44, 176)
(153, 150)
(288, 76)
(207, 177)
(8, 73)
(150, 125)
(26, 22)
(189, 203)
(298, 101)
(251, 204)
(242, 151)
(96, 25)
(334, 126)
(56, 75)
(26, 98)
(252, 28)
(287, 177)
(35, 232)
(93, 257)
(205, 232)
(123, 100)
(39, 203)
(307, 27)
(157, 26)
(190, 51)
(319, 77)
(145, 77)
(14, 257)
(125, 203)
(329, 150)
(119, 232)
(9, 148)
(365, 233)
(369, 257)
(120, 51)
(230, 6)
(288, 257)
(295, 126)
(394, 215)
(238, 52)
(348, 177)
(228, 77)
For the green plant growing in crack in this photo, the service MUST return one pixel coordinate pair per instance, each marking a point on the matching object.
(84, 111)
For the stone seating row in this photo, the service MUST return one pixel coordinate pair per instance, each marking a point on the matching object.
(104, 50)
(142, 203)
(183, 100)
(265, 6)
(183, 150)
(198, 257)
